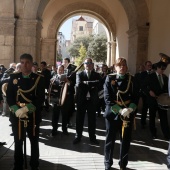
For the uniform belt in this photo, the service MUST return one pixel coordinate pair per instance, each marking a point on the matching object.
(122, 103)
(21, 104)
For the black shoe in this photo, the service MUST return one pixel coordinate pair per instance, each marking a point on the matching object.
(76, 140)
(12, 134)
(70, 125)
(94, 141)
(2, 143)
(65, 132)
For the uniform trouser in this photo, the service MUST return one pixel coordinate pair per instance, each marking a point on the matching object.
(34, 140)
(64, 110)
(80, 116)
(112, 128)
(144, 110)
(55, 117)
(163, 120)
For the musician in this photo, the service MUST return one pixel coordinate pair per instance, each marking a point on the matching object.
(119, 95)
(66, 107)
(156, 84)
(87, 82)
(25, 96)
(69, 69)
(5, 79)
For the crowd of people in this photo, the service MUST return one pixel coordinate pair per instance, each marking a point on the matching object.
(94, 90)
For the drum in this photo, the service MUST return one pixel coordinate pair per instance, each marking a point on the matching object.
(164, 101)
(4, 88)
(63, 94)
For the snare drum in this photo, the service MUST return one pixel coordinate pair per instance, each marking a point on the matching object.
(164, 101)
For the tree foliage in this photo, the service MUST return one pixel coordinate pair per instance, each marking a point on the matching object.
(97, 48)
(82, 55)
(74, 48)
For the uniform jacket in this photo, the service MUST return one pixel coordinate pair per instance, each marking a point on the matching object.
(36, 96)
(111, 87)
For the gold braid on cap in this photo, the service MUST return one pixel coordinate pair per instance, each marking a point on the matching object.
(123, 92)
(20, 91)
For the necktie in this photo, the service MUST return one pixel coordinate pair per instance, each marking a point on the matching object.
(160, 80)
(88, 74)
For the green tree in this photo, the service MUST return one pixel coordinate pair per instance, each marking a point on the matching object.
(97, 48)
(74, 48)
(82, 55)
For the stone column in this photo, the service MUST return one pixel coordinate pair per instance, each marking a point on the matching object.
(27, 38)
(138, 47)
(48, 50)
(113, 52)
(109, 54)
(7, 41)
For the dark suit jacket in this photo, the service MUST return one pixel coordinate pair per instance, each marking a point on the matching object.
(83, 87)
(152, 83)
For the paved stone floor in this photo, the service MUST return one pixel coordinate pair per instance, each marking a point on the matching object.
(58, 153)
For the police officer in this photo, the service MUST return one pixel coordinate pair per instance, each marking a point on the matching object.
(120, 106)
(25, 96)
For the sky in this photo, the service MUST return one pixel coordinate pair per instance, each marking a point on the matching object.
(66, 28)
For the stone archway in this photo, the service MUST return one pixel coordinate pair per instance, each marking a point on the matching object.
(137, 33)
(71, 10)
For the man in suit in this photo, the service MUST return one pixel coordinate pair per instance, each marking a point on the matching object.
(87, 82)
(143, 75)
(155, 84)
(119, 95)
(25, 96)
(47, 76)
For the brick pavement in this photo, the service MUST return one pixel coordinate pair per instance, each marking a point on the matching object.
(58, 153)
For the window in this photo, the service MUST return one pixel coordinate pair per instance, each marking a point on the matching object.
(80, 28)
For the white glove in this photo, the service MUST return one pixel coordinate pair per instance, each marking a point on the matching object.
(125, 112)
(22, 112)
(130, 110)
(120, 111)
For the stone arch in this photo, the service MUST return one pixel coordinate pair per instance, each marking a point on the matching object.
(74, 8)
(137, 14)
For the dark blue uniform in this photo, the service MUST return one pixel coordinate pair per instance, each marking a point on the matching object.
(118, 94)
(21, 91)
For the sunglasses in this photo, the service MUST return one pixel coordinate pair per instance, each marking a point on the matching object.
(87, 63)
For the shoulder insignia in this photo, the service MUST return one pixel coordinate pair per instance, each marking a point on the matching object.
(15, 81)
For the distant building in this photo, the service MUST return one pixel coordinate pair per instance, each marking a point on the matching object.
(98, 28)
(81, 27)
(61, 45)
